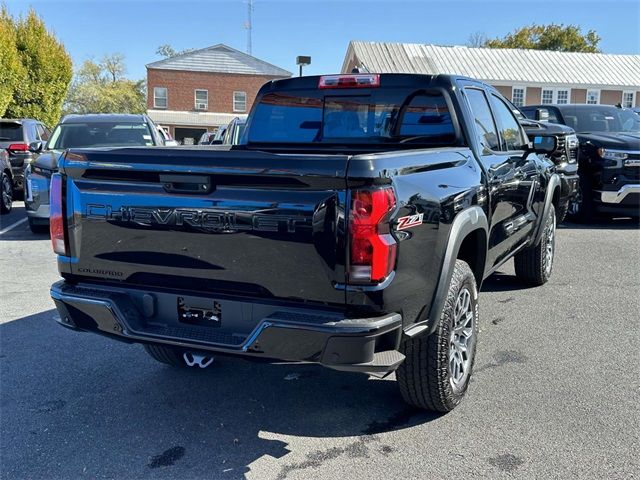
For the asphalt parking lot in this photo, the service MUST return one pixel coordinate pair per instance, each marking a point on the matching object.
(555, 392)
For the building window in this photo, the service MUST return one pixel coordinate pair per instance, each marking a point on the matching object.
(593, 97)
(159, 97)
(547, 96)
(562, 96)
(202, 99)
(518, 96)
(628, 99)
(239, 101)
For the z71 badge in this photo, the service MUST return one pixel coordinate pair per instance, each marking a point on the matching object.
(410, 221)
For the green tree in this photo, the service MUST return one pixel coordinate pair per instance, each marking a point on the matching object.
(48, 71)
(102, 88)
(167, 51)
(11, 70)
(556, 37)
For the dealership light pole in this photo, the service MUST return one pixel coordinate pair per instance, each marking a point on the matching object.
(302, 61)
(248, 25)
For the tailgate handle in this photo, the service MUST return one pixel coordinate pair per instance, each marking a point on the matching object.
(186, 183)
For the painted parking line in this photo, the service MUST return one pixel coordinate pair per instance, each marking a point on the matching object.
(13, 225)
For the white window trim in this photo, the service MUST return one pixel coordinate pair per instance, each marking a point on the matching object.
(633, 97)
(586, 98)
(524, 93)
(166, 98)
(233, 99)
(554, 94)
(195, 99)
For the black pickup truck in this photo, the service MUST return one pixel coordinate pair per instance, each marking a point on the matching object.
(608, 159)
(352, 228)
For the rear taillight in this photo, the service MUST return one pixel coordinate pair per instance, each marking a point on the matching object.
(56, 216)
(372, 249)
(18, 147)
(350, 81)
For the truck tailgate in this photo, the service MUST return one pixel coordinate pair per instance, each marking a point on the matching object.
(235, 222)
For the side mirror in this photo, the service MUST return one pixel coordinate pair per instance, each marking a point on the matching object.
(215, 142)
(542, 114)
(544, 144)
(35, 147)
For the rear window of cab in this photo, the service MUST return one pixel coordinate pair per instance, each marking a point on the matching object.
(378, 117)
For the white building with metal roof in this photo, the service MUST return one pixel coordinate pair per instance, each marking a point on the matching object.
(201, 90)
(527, 77)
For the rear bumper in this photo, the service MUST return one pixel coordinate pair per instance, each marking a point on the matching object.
(368, 345)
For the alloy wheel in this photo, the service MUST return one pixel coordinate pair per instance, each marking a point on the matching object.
(550, 243)
(461, 340)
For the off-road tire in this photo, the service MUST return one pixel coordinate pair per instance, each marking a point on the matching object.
(532, 265)
(6, 193)
(168, 355)
(37, 227)
(425, 378)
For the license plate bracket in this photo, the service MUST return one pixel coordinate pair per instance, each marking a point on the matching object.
(198, 315)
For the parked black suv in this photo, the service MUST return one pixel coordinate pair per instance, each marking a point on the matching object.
(79, 131)
(608, 159)
(15, 137)
(565, 158)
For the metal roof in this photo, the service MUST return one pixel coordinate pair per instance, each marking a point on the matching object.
(193, 119)
(219, 59)
(499, 65)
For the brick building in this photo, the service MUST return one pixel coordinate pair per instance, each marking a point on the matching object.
(199, 91)
(527, 77)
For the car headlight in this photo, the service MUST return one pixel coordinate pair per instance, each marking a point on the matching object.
(613, 158)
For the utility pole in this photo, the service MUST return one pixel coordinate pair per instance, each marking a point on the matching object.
(248, 25)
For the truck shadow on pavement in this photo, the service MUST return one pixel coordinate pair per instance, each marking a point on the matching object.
(76, 404)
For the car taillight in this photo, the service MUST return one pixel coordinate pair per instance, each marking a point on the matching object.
(372, 249)
(350, 81)
(18, 147)
(56, 216)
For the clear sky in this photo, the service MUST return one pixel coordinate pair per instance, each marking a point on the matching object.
(321, 29)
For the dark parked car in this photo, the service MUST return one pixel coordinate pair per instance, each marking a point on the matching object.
(352, 228)
(79, 131)
(608, 158)
(6, 182)
(15, 138)
(235, 130)
(564, 157)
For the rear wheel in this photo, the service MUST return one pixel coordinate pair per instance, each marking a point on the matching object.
(6, 202)
(168, 355)
(437, 369)
(534, 265)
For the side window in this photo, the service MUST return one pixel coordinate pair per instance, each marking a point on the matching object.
(42, 133)
(510, 131)
(428, 115)
(485, 127)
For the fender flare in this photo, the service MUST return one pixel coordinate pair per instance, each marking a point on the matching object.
(467, 221)
(554, 183)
